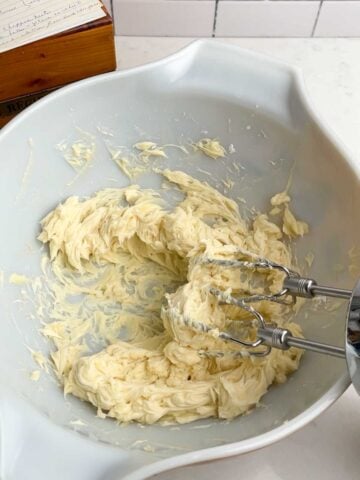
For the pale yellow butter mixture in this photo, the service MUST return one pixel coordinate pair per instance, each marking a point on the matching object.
(121, 260)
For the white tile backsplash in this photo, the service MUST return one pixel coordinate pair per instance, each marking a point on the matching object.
(236, 18)
(339, 18)
(177, 18)
(260, 18)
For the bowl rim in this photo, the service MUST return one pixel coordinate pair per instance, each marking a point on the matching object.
(249, 445)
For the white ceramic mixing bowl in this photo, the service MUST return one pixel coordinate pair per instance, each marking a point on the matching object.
(207, 89)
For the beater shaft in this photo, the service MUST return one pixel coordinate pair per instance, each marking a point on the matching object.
(308, 288)
(281, 338)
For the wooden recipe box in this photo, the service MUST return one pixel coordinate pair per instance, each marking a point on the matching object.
(29, 72)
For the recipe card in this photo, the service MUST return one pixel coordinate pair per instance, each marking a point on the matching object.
(25, 21)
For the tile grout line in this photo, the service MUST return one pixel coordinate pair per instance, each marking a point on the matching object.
(317, 18)
(215, 18)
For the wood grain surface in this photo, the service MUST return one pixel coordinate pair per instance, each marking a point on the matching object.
(31, 71)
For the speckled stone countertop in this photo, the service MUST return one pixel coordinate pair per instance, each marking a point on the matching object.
(328, 448)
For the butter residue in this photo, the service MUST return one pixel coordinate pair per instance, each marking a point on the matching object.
(354, 258)
(309, 259)
(40, 359)
(148, 156)
(80, 153)
(210, 147)
(149, 149)
(228, 184)
(114, 257)
(35, 375)
(28, 170)
(280, 199)
(78, 423)
(275, 211)
(136, 162)
(128, 164)
(143, 445)
(18, 279)
(293, 227)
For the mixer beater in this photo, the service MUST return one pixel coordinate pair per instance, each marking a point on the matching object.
(270, 335)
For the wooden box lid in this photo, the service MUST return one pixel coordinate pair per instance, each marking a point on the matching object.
(34, 69)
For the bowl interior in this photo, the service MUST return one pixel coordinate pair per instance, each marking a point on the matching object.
(324, 189)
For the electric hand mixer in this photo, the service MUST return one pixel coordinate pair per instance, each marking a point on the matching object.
(272, 336)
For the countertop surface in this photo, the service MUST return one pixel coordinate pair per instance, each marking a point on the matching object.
(328, 448)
